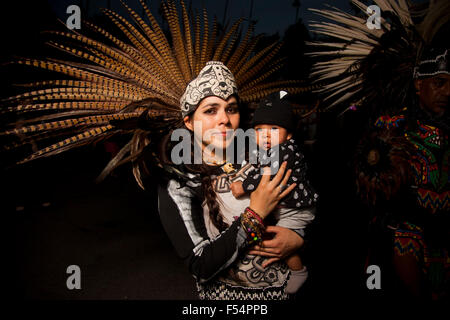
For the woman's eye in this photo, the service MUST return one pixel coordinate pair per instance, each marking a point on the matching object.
(210, 111)
(232, 109)
(274, 128)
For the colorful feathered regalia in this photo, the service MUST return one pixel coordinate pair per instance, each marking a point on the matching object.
(400, 74)
(132, 84)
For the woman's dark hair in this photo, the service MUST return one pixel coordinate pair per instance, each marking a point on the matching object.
(210, 196)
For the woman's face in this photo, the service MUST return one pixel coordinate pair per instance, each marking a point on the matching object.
(214, 121)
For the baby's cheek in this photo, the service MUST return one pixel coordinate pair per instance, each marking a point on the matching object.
(275, 140)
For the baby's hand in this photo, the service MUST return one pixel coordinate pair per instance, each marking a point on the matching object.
(236, 189)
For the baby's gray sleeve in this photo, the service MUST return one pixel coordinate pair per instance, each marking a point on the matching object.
(295, 219)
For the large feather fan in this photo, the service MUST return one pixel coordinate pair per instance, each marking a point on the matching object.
(134, 86)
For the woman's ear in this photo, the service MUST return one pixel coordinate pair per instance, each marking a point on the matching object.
(188, 123)
(289, 136)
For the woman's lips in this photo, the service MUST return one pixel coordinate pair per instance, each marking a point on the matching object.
(223, 134)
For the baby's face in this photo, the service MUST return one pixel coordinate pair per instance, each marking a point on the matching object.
(270, 135)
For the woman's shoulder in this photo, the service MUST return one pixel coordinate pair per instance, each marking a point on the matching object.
(179, 178)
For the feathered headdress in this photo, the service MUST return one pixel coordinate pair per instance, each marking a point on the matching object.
(134, 86)
(375, 68)
(358, 65)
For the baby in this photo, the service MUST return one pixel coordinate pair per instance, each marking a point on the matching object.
(273, 123)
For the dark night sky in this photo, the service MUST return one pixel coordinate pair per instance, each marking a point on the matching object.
(272, 15)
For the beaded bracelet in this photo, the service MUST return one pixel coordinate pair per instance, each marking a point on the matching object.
(253, 226)
(254, 214)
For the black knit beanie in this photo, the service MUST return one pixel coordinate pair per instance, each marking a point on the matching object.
(275, 109)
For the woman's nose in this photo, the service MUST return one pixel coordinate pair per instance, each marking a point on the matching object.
(223, 118)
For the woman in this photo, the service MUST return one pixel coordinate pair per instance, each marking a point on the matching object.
(132, 89)
(208, 227)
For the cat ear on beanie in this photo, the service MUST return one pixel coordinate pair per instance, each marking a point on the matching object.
(275, 109)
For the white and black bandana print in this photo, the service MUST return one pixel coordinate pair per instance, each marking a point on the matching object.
(215, 79)
(304, 194)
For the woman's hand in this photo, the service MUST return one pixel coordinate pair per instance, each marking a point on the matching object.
(283, 244)
(269, 192)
